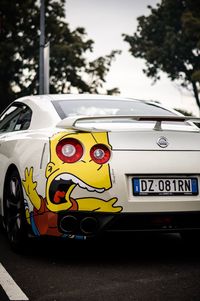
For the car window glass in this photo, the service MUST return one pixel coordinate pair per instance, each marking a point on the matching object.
(108, 107)
(23, 122)
(17, 117)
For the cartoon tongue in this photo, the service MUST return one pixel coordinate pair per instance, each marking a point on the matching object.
(58, 196)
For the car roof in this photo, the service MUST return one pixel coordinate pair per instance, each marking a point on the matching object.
(59, 97)
(47, 99)
(44, 113)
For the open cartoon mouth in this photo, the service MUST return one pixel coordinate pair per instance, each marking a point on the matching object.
(61, 184)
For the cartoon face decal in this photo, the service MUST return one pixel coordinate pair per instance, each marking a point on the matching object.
(76, 160)
(64, 171)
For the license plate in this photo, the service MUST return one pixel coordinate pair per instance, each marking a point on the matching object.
(165, 186)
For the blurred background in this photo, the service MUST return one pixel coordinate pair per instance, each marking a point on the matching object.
(146, 49)
(105, 21)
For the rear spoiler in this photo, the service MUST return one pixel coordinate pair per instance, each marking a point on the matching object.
(71, 121)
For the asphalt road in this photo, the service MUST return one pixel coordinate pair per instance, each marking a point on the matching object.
(137, 267)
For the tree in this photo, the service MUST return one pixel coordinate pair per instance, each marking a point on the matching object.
(19, 54)
(169, 40)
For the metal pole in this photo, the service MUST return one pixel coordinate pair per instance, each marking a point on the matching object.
(46, 68)
(42, 45)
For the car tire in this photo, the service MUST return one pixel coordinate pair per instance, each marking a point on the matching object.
(14, 213)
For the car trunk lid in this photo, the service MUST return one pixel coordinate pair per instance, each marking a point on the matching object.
(140, 132)
(155, 140)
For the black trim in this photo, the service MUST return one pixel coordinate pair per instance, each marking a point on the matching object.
(22, 106)
(136, 222)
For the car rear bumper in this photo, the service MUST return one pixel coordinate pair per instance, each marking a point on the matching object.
(92, 224)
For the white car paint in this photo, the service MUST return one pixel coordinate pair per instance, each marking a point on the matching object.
(135, 152)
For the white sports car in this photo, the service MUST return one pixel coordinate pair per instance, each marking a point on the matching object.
(76, 166)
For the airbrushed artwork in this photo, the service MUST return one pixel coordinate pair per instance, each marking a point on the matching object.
(78, 160)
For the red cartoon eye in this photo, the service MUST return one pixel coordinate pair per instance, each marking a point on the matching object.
(69, 150)
(100, 153)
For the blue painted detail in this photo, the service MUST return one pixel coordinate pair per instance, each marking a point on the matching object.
(34, 228)
(76, 237)
(33, 225)
(80, 237)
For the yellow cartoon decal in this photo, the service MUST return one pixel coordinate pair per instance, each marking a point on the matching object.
(76, 161)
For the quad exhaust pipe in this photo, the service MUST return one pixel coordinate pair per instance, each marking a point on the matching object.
(87, 225)
(69, 224)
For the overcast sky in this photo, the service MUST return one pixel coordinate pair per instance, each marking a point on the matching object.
(105, 21)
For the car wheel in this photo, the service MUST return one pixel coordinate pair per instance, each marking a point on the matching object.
(14, 213)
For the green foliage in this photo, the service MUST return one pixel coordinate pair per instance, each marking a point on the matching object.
(19, 55)
(169, 40)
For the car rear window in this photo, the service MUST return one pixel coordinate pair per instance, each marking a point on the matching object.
(103, 107)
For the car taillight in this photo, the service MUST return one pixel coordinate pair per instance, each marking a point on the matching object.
(100, 153)
(69, 150)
